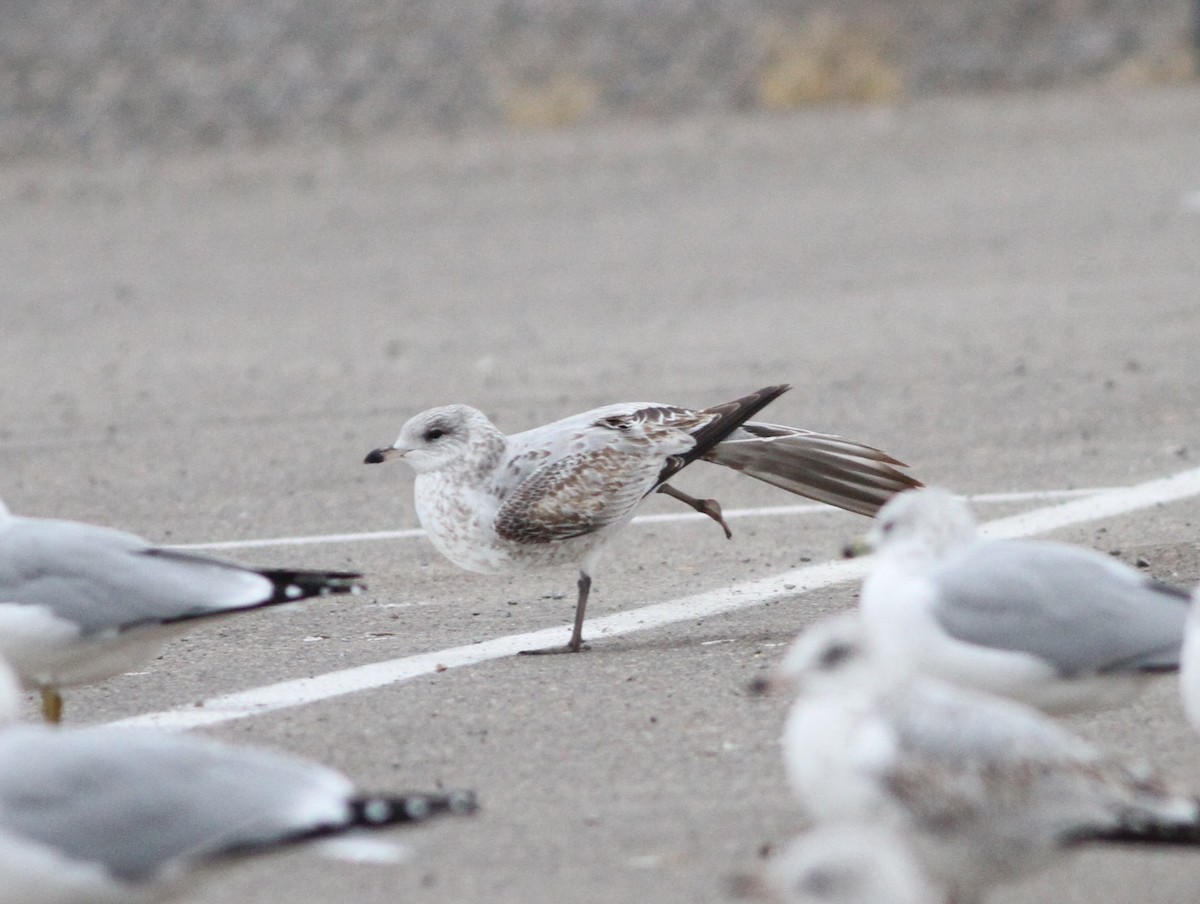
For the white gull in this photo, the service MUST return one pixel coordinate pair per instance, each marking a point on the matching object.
(1050, 624)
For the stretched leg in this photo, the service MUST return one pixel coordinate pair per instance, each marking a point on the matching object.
(52, 705)
(709, 507)
(575, 644)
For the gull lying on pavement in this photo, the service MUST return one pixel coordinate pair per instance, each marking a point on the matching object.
(81, 603)
(555, 494)
(1056, 626)
(984, 789)
(103, 815)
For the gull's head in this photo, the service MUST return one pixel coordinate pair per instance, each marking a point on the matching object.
(826, 655)
(847, 863)
(439, 438)
(928, 520)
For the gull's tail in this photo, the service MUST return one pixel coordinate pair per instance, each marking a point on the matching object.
(826, 468)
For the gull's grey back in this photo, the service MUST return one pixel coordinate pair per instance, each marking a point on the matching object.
(103, 579)
(1075, 608)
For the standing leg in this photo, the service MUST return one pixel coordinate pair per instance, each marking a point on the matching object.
(585, 586)
(575, 644)
(709, 507)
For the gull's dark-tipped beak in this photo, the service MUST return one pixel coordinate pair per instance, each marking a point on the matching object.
(760, 687)
(856, 549)
(383, 453)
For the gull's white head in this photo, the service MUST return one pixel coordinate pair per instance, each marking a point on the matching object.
(847, 863)
(452, 435)
(830, 655)
(927, 521)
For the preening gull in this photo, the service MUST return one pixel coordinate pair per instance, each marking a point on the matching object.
(81, 603)
(104, 815)
(983, 788)
(1057, 626)
(847, 863)
(555, 494)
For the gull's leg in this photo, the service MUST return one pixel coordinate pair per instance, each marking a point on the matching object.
(585, 587)
(709, 507)
(575, 644)
(52, 705)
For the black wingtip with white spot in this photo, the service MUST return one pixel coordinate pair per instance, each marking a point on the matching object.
(291, 585)
(377, 811)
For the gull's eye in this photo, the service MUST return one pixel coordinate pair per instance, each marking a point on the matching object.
(433, 433)
(835, 654)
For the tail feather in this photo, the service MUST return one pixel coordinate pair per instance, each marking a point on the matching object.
(829, 469)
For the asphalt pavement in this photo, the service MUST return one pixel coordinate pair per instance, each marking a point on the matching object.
(1002, 291)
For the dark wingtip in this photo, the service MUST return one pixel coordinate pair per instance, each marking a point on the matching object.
(374, 457)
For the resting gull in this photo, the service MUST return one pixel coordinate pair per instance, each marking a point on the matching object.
(983, 788)
(101, 815)
(1056, 626)
(555, 494)
(81, 603)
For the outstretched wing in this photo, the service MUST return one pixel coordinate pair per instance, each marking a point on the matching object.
(829, 469)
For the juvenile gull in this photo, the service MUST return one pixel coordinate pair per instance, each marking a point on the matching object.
(984, 789)
(81, 603)
(110, 815)
(555, 494)
(1057, 626)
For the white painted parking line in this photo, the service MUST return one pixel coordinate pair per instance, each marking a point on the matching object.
(772, 511)
(286, 694)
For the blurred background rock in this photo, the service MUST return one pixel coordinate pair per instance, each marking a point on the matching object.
(94, 78)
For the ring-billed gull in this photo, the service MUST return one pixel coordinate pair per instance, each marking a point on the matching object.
(846, 862)
(555, 494)
(81, 603)
(1057, 626)
(983, 788)
(119, 814)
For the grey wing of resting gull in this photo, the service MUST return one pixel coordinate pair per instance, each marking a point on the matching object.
(80, 603)
(107, 814)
